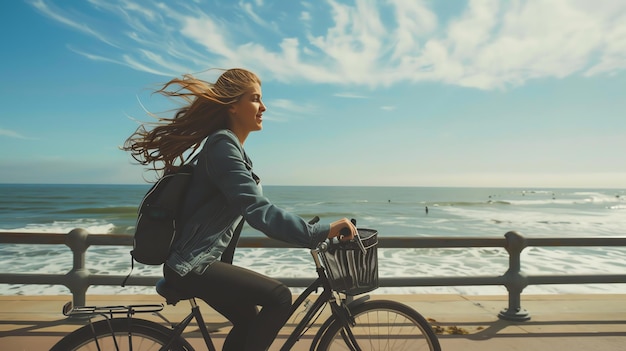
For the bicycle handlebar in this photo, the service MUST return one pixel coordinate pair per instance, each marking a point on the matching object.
(325, 245)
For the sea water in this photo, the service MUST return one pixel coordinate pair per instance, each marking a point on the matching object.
(393, 211)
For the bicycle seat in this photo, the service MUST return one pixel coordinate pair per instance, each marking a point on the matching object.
(171, 294)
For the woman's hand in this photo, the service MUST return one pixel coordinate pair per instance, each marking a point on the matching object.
(337, 226)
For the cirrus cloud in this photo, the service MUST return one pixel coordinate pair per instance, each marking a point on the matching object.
(485, 44)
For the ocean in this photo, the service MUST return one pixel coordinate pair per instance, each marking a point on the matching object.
(393, 211)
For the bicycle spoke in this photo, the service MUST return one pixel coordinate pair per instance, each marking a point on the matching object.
(121, 335)
(382, 326)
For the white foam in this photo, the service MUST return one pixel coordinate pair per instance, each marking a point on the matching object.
(91, 225)
(392, 263)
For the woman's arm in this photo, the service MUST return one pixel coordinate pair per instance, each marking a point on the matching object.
(227, 167)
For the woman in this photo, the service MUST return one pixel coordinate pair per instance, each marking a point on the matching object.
(224, 189)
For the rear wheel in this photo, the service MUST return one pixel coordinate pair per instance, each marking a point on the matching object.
(121, 334)
(381, 325)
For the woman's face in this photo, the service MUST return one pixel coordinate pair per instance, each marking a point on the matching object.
(246, 115)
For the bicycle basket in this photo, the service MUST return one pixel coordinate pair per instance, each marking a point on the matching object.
(351, 271)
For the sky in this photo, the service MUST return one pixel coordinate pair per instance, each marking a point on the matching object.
(365, 93)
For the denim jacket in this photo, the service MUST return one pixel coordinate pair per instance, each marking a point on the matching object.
(223, 189)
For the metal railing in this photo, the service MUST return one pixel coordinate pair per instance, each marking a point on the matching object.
(79, 278)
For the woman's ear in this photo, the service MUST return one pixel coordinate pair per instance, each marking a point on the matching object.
(232, 110)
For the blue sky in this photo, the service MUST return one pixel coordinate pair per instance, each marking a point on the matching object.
(397, 92)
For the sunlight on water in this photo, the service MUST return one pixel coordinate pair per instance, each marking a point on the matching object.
(456, 212)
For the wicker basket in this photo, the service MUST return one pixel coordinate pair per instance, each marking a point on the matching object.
(353, 268)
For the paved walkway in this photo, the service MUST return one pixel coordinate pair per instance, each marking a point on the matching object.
(558, 322)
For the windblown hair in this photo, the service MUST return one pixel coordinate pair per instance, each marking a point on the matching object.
(205, 111)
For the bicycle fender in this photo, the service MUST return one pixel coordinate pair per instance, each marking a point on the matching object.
(358, 301)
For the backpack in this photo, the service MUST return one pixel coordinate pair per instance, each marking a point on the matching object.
(157, 221)
(155, 231)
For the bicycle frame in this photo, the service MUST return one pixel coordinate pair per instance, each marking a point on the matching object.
(317, 305)
(180, 327)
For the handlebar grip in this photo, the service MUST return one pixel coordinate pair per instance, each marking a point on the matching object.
(346, 231)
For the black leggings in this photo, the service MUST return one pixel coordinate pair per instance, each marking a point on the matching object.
(235, 293)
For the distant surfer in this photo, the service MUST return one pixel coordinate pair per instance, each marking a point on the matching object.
(426, 209)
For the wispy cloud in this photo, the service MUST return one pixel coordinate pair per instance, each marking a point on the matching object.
(129, 61)
(305, 16)
(489, 44)
(350, 96)
(284, 109)
(58, 15)
(249, 9)
(12, 134)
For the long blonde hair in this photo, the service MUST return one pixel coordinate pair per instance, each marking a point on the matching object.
(205, 111)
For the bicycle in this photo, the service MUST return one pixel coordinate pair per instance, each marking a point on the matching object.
(344, 269)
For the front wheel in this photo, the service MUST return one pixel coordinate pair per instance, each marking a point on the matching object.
(381, 325)
(121, 334)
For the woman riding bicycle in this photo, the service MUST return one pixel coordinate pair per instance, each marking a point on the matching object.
(224, 189)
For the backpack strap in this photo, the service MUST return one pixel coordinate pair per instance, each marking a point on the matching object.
(193, 159)
(132, 266)
(229, 253)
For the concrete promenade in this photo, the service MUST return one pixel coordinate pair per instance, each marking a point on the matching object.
(558, 322)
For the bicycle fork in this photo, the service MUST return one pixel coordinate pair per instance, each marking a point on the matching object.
(344, 316)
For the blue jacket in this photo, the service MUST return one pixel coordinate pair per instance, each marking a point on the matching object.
(223, 189)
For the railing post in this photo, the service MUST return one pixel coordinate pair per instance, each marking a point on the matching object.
(76, 279)
(515, 280)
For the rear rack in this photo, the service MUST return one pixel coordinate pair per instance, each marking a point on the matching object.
(108, 311)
